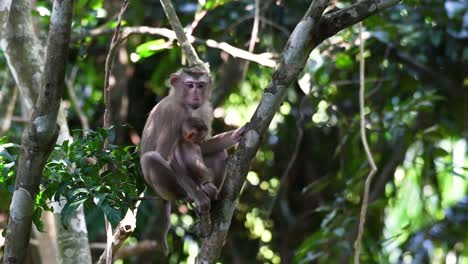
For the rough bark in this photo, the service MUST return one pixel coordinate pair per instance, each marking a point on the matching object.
(41, 133)
(25, 58)
(4, 12)
(23, 51)
(47, 250)
(8, 94)
(73, 242)
(310, 32)
(293, 60)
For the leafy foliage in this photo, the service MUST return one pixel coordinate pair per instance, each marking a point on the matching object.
(416, 119)
(82, 172)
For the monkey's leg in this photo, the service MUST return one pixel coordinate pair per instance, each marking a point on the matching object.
(201, 200)
(159, 175)
(216, 162)
(171, 186)
(165, 225)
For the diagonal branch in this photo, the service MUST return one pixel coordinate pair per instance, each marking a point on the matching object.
(294, 57)
(335, 22)
(310, 32)
(192, 56)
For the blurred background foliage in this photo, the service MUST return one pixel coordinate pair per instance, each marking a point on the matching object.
(417, 111)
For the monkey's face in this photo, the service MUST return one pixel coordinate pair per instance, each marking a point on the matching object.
(195, 136)
(194, 92)
(191, 88)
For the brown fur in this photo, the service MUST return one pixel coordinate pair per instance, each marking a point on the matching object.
(160, 138)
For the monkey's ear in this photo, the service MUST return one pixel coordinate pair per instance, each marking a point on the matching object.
(189, 135)
(174, 78)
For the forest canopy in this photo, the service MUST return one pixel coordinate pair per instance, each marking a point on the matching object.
(295, 183)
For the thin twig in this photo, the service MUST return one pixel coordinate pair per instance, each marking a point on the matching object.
(265, 20)
(69, 83)
(365, 200)
(145, 198)
(196, 20)
(264, 59)
(286, 174)
(115, 43)
(253, 37)
(190, 28)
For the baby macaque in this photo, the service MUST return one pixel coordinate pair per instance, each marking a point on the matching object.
(187, 157)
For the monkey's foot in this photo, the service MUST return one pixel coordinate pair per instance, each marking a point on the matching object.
(210, 190)
(201, 229)
(205, 222)
(162, 245)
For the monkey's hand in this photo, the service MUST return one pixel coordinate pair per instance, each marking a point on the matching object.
(238, 133)
(210, 190)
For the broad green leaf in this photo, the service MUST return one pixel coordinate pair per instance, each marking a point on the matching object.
(150, 48)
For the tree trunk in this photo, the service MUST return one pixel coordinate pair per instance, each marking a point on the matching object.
(41, 133)
(23, 52)
(8, 94)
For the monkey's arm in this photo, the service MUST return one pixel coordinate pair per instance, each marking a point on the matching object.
(218, 143)
(222, 141)
(195, 164)
(165, 143)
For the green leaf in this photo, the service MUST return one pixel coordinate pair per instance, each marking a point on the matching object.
(316, 186)
(440, 152)
(100, 198)
(113, 215)
(69, 208)
(37, 219)
(343, 61)
(79, 191)
(150, 48)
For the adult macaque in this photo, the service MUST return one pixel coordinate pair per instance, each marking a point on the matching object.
(189, 97)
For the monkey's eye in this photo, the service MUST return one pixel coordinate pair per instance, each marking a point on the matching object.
(200, 85)
(189, 85)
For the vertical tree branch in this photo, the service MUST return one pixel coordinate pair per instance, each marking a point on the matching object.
(128, 224)
(25, 58)
(5, 6)
(8, 95)
(114, 47)
(187, 48)
(39, 137)
(23, 51)
(365, 200)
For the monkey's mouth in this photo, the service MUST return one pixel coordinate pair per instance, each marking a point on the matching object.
(195, 103)
(196, 100)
